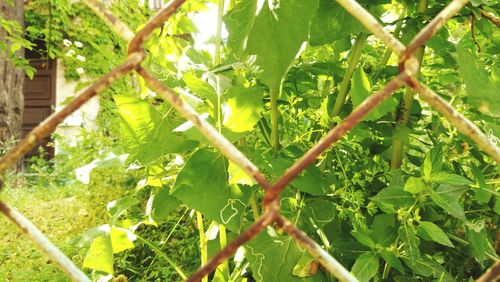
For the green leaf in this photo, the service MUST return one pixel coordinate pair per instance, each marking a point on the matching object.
(427, 267)
(435, 233)
(363, 239)
(279, 30)
(238, 176)
(449, 178)
(118, 207)
(321, 211)
(273, 257)
(433, 162)
(108, 161)
(482, 194)
(239, 22)
(408, 236)
(392, 198)
(361, 89)
(452, 190)
(496, 207)
(148, 136)
(309, 181)
(121, 239)
(415, 185)
(366, 266)
(244, 110)
(480, 243)
(332, 22)
(306, 266)
(163, 204)
(482, 88)
(392, 260)
(15, 47)
(200, 88)
(203, 185)
(100, 255)
(449, 204)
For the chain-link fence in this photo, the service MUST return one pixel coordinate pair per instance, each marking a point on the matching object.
(271, 201)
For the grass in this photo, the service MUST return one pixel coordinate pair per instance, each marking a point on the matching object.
(61, 212)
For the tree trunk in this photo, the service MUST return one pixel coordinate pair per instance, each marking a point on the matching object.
(11, 81)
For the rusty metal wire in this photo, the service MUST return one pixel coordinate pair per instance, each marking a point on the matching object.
(136, 54)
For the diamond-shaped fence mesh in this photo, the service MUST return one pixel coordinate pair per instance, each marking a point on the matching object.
(271, 201)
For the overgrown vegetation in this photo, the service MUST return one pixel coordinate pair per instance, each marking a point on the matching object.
(403, 196)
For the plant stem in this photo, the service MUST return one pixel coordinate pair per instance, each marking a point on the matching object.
(203, 242)
(163, 255)
(254, 205)
(224, 267)
(217, 61)
(274, 92)
(388, 51)
(385, 273)
(218, 34)
(357, 48)
(404, 109)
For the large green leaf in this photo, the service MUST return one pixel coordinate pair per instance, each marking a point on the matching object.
(273, 257)
(200, 88)
(449, 204)
(361, 89)
(426, 267)
(320, 211)
(121, 239)
(366, 266)
(111, 241)
(332, 22)
(279, 30)
(163, 204)
(239, 22)
(449, 178)
(415, 185)
(433, 232)
(433, 162)
(392, 260)
(147, 135)
(480, 243)
(482, 88)
(409, 238)
(203, 185)
(392, 198)
(482, 194)
(243, 111)
(100, 255)
(108, 161)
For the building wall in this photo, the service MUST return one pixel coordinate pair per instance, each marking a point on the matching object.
(69, 130)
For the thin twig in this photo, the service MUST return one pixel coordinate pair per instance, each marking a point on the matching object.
(473, 32)
(331, 264)
(491, 17)
(43, 244)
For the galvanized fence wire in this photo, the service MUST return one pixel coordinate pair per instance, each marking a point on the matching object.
(136, 54)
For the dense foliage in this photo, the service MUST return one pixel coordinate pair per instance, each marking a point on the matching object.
(287, 72)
